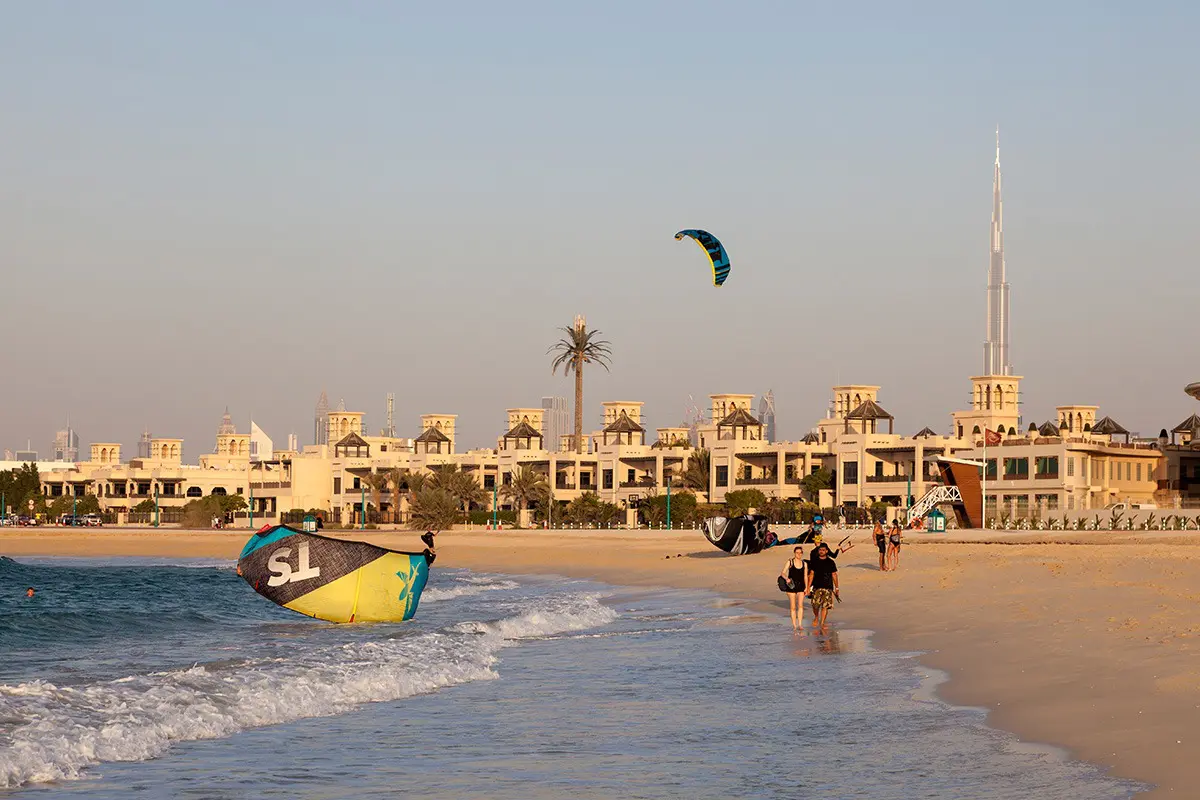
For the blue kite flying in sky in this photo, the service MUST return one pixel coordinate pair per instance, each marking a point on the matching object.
(716, 253)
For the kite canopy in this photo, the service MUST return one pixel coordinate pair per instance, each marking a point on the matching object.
(333, 579)
(716, 252)
(737, 535)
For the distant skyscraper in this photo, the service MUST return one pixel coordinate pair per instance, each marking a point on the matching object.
(995, 349)
(66, 444)
(144, 444)
(766, 414)
(321, 420)
(28, 454)
(261, 446)
(554, 421)
(292, 443)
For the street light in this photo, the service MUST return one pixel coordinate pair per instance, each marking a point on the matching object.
(668, 501)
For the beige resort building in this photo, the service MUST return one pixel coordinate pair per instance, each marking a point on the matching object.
(1071, 463)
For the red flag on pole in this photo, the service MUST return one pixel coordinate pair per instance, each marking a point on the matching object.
(991, 437)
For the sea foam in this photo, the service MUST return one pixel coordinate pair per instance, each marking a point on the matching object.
(55, 732)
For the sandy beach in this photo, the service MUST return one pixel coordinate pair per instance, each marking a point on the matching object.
(1085, 641)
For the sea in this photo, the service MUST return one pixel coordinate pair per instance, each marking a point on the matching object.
(164, 679)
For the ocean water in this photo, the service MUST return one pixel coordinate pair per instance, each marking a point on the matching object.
(158, 679)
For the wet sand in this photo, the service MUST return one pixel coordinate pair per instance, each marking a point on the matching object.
(1083, 640)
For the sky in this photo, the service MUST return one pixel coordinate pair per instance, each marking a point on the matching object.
(243, 204)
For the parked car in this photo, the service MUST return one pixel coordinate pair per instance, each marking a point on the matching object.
(93, 520)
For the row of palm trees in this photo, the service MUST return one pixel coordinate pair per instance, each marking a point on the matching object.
(449, 491)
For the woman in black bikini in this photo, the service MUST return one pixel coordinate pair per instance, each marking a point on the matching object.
(794, 578)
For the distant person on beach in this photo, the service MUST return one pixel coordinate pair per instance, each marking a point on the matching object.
(29, 592)
(881, 541)
(894, 540)
(794, 577)
(822, 586)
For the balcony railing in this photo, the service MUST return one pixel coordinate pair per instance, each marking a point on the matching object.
(756, 481)
(1045, 476)
(272, 485)
(1016, 476)
(886, 479)
(564, 485)
(644, 483)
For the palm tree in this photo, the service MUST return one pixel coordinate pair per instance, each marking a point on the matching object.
(462, 486)
(376, 482)
(433, 509)
(699, 468)
(526, 487)
(579, 346)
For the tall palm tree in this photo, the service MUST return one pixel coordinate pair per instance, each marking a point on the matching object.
(460, 485)
(579, 346)
(527, 487)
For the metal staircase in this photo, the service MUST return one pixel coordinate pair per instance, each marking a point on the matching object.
(934, 497)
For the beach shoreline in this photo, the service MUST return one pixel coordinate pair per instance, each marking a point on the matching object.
(1083, 641)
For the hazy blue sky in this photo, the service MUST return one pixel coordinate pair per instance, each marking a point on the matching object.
(230, 203)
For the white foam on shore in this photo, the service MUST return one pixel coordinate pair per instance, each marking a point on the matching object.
(471, 586)
(54, 733)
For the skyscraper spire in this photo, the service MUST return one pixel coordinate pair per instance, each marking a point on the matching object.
(995, 348)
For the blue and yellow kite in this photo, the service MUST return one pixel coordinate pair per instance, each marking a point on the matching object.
(716, 253)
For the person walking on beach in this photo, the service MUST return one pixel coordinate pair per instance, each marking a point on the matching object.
(894, 540)
(881, 541)
(822, 586)
(795, 577)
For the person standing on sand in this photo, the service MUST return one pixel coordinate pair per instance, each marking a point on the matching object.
(894, 540)
(822, 586)
(881, 542)
(795, 577)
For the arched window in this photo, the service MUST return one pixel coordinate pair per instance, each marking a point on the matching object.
(219, 491)
(999, 396)
(1012, 431)
(103, 455)
(164, 452)
(975, 431)
(988, 398)
(174, 451)
(1078, 421)
(194, 491)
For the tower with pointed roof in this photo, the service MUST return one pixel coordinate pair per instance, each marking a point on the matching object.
(996, 360)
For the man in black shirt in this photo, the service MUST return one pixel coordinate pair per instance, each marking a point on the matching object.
(822, 584)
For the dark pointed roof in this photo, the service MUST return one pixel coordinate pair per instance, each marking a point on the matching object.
(1188, 425)
(623, 424)
(432, 435)
(738, 418)
(811, 438)
(869, 410)
(353, 439)
(1048, 429)
(926, 432)
(1108, 426)
(523, 430)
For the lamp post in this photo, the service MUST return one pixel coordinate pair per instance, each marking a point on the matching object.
(251, 482)
(495, 501)
(362, 521)
(74, 507)
(156, 505)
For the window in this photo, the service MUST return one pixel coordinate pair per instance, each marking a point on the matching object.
(608, 479)
(1047, 501)
(1047, 466)
(1071, 467)
(878, 469)
(991, 469)
(357, 483)
(194, 491)
(815, 469)
(489, 481)
(1139, 471)
(850, 472)
(630, 475)
(747, 474)
(789, 472)
(1016, 469)
(337, 485)
(723, 475)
